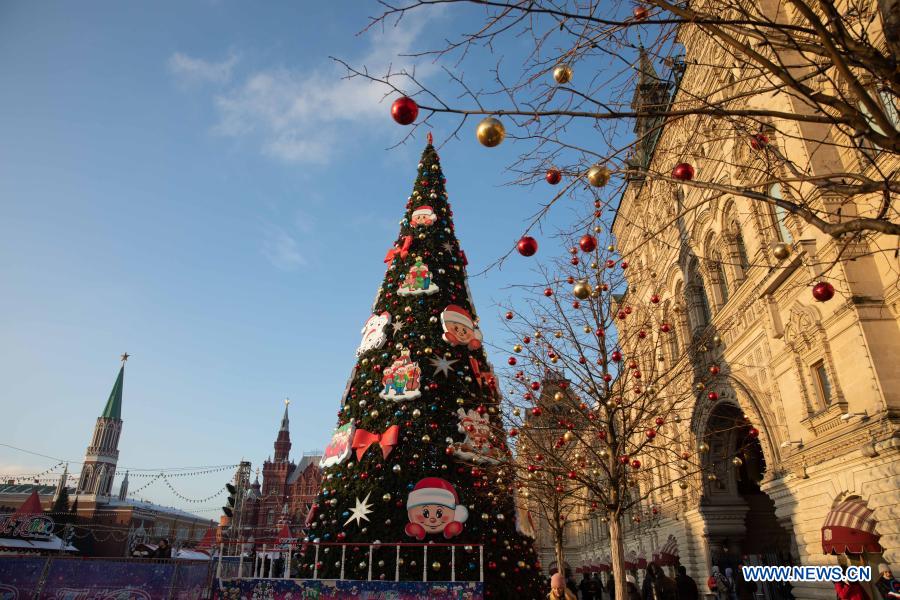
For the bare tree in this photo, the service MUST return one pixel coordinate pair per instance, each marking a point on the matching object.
(805, 90)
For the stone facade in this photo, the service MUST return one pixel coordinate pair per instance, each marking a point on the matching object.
(819, 380)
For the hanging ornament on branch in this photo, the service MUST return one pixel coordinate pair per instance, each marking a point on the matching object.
(404, 110)
(683, 172)
(553, 176)
(562, 74)
(490, 132)
(527, 246)
(598, 176)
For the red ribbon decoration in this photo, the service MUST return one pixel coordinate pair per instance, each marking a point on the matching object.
(362, 439)
(402, 251)
(483, 378)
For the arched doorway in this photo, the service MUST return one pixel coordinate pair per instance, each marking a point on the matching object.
(740, 519)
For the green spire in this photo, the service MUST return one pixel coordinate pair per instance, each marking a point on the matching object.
(113, 408)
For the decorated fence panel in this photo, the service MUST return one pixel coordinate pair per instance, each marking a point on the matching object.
(326, 589)
(20, 576)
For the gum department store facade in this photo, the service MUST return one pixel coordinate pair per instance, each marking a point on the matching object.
(820, 381)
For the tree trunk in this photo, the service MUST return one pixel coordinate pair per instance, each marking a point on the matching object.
(617, 556)
(560, 552)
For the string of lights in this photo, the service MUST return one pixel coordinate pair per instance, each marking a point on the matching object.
(191, 500)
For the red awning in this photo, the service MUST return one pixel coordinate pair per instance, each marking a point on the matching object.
(208, 541)
(850, 527)
(641, 563)
(668, 554)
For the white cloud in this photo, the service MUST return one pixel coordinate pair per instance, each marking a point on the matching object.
(297, 115)
(197, 70)
(281, 248)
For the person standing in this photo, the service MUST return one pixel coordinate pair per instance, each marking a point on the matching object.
(631, 591)
(685, 586)
(586, 587)
(746, 590)
(164, 550)
(732, 584)
(657, 586)
(888, 587)
(850, 591)
(558, 589)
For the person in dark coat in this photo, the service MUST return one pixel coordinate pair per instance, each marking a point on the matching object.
(631, 592)
(597, 587)
(657, 585)
(685, 586)
(164, 550)
(611, 586)
(586, 587)
(887, 585)
(746, 590)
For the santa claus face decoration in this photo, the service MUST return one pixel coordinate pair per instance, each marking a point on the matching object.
(459, 328)
(374, 332)
(433, 507)
(423, 216)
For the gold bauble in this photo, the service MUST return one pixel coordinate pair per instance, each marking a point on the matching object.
(568, 436)
(517, 348)
(587, 329)
(598, 176)
(736, 461)
(554, 359)
(558, 396)
(611, 248)
(683, 485)
(516, 412)
(781, 251)
(582, 290)
(490, 132)
(703, 447)
(558, 334)
(562, 74)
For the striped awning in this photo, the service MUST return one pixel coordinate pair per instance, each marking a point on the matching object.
(668, 554)
(850, 528)
(641, 562)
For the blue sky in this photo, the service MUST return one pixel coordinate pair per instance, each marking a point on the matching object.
(193, 183)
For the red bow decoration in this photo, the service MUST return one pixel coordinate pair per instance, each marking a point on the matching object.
(362, 439)
(402, 251)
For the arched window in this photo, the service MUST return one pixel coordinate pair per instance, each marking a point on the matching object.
(722, 280)
(779, 215)
(698, 302)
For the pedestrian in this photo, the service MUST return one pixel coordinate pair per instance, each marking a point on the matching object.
(746, 590)
(573, 587)
(685, 586)
(732, 584)
(887, 585)
(163, 550)
(611, 586)
(586, 588)
(850, 591)
(558, 590)
(597, 587)
(657, 585)
(632, 592)
(721, 585)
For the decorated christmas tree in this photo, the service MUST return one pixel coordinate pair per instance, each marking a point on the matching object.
(414, 458)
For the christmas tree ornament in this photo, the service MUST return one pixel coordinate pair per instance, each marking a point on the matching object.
(587, 243)
(736, 461)
(360, 512)
(703, 447)
(433, 507)
(781, 251)
(476, 446)
(562, 73)
(363, 440)
(823, 291)
(641, 13)
(683, 172)
(374, 334)
(404, 110)
(598, 176)
(401, 379)
(759, 141)
(423, 216)
(339, 449)
(460, 328)
(527, 246)
(553, 176)
(490, 132)
(582, 290)
(418, 281)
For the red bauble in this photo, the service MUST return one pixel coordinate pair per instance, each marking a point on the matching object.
(527, 246)
(640, 13)
(553, 176)
(635, 464)
(683, 172)
(623, 459)
(624, 264)
(535, 385)
(660, 421)
(509, 315)
(512, 361)
(754, 432)
(548, 292)
(616, 355)
(714, 370)
(665, 328)
(536, 411)
(575, 260)
(654, 298)
(404, 110)
(610, 263)
(758, 141)
(642, 334)
(650, 433)
(588, 243)
(713, 396)
(823, 291)
(576, 304)
(513, 432)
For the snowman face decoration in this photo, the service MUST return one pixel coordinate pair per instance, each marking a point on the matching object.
(374, 332)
